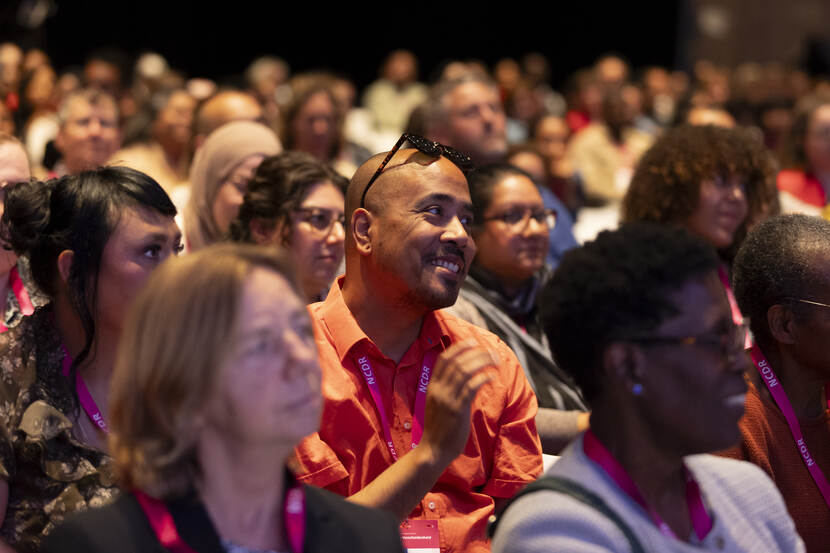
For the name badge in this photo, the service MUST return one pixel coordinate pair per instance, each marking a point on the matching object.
(420, 536)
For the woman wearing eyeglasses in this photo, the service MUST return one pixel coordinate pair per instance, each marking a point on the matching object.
(781, 278)
(297, 202)
(511, 230)
(640, 319)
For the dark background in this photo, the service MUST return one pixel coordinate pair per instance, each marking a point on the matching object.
(353, 38)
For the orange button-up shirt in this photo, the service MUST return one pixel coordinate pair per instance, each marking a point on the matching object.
(502, 453)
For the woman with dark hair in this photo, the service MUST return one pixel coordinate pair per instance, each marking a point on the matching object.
(91, 239)
(296, 201)
(501, 291)
(640, 319)
(313, 124)
(714, 182)
(215, 383)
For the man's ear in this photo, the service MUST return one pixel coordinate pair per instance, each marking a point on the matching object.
(781, 321)
(622, 363)
(361, 224)
(65, 260)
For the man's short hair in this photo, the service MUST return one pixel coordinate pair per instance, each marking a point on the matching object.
(91, 96)
(435, 111)
(774, 266)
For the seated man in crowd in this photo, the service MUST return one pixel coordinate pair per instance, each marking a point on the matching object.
(382, 340)
(88, 133)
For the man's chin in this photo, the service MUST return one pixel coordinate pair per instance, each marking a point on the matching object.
(434, 298)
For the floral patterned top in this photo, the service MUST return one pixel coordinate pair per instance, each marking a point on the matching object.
(50, 473)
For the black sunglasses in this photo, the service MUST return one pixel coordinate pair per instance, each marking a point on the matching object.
(430, 148)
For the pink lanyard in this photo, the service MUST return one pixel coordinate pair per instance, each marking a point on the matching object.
(780, 397)
(365, 367)
(20, 293)
(86, 399)
(701, 521)
(164, 526)
(737, 316)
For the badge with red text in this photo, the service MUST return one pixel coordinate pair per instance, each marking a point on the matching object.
(420, 536)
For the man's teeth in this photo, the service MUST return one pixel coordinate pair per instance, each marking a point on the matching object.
(447, 265)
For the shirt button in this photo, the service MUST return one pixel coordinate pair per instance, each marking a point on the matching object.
(719, 542)
(407, 425)
(431, 505)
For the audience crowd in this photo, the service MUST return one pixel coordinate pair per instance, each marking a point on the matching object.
(473, 314)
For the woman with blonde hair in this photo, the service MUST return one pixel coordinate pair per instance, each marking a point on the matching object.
(216, 381)
(219, 178)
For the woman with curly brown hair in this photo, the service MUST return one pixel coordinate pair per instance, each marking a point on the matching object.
(714, 182)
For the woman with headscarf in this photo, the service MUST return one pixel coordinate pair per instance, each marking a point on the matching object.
(219, 178)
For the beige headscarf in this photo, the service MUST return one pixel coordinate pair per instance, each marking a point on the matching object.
(222, 151)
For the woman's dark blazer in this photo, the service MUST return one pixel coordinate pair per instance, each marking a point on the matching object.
(332, 524)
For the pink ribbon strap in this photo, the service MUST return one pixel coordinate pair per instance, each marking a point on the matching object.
(701, 521)
(20, 294)
(84, 397)
(777, 392)
(163, 525)
(428, 363)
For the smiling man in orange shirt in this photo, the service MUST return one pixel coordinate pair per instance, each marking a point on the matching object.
(398, 373)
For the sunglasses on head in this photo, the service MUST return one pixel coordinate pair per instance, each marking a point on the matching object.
(428, 147)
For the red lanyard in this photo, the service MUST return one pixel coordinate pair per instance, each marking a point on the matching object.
(165, 527)
(780, 397)
(701, 521)
(20, 293)
(365, 367)
(86, 399)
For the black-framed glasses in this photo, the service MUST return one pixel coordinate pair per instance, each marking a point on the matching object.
(428, 147)
(730, 343)
(518, 218)
(320, 219)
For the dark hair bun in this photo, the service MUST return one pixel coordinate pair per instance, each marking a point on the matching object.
(27, 213)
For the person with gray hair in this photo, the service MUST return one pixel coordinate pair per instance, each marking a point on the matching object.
(467, 114)
(88, 133)
(781, 277)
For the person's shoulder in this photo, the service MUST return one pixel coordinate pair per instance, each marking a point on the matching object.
(458, 329)
(727, 471)
(340, 525)
(547, 520)
(17, 358)
(466, 310)
(739, 482)
(120, 526)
